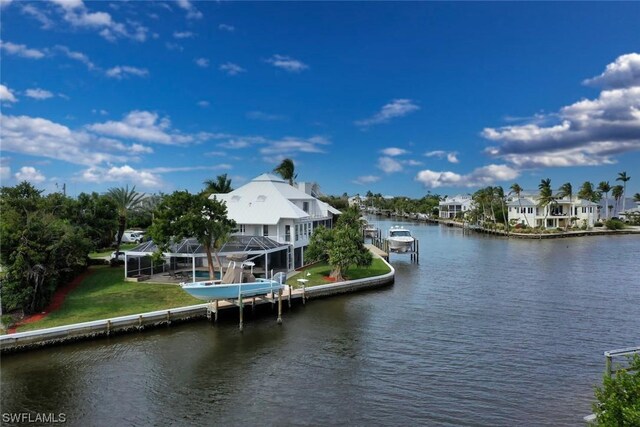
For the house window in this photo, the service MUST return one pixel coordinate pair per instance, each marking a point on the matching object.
(584, 210)
(305, 206)
(241, 228)
(590, 210)
(287, 233)
(265, 230)
(297, 232)
(530, 210)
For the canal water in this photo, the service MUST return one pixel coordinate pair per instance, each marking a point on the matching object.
(485, 331)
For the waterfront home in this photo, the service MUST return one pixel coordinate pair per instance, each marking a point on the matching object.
(561, 213)
(455, 207)
(268, 206)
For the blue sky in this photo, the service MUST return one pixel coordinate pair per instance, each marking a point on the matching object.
(396, 98)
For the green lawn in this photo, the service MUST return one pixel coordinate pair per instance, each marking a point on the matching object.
(320, 271)
(105, 294)
(107, 252)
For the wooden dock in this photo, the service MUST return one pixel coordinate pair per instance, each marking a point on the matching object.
(377, 251)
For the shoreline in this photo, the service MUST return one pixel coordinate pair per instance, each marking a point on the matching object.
(536, 236)
(39, 338)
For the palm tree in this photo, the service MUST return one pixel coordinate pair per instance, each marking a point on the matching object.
(622, 176)
(517, 190)
(636, 197)
(499, 192)
(604, 187)
(566, 190)
(618, 193)
(546, 197)
(125, 200)
(286, 170)
(220, 185)
(587, 192)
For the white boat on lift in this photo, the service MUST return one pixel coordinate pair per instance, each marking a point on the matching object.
(400, 239)
(237, 283)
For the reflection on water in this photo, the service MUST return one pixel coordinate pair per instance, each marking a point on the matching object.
(484, 331)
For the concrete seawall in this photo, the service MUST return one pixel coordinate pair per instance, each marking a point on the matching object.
(137, 322)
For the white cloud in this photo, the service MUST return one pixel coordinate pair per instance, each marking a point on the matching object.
(174, 46)
(389, 165)
(290, 145)
(260, 115)
(480, 177)
(173, 169)
(38, 93)
(411, 162)
(39, 15)
(143, 126)
(43, 138)
(366, 179)
(5, 3)
(591, 132)
(226, 27)
(29, 173)
(623, 73)
(202, 62)
(101, 112)
(192, 12)
(231, 69)
(6, 95)
(451, 156)
(21, 50)
(77, 14)
(122, 174)
(77, 56)
(183, 34)
(396, 108)
(393, 151)
(203, 104)
(120, 72)
(5, 169)
(287, 63)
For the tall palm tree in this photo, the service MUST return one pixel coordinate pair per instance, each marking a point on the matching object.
(499, 192)
(604, 187)
(545, 197)
(220, 185)
(566, 190)
(287, 170)
(618, 193)
(517, 190)
(125, 200)
(587, 192)
(622, 176)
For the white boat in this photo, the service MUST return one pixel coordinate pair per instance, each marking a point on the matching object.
(368, 229)
(400, 239)
(235, 284)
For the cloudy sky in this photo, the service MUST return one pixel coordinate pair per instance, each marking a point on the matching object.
(397, 98)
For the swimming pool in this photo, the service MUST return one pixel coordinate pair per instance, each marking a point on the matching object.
(205, 274)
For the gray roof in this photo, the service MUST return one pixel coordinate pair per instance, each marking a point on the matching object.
(523, 202)
(191, 246)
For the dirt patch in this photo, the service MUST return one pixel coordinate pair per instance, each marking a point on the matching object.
(56, 302)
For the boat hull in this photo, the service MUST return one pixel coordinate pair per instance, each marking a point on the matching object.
(210, 291)
(400, 244)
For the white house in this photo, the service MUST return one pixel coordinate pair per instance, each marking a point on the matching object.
(526, 211)
(268, 206)
(451, 207)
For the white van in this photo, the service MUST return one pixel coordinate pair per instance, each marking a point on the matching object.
(129, 237)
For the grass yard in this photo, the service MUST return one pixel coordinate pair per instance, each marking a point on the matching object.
(107, 252)
(319, 272)
(105, 294)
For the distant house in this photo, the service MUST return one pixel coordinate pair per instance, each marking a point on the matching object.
(456, 206)
(268, 206)
(560, 213)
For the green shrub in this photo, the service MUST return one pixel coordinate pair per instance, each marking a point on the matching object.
(614, 224)
(598, 224)
(619, 398)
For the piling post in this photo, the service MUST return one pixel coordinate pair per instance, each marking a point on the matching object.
(280, 306)
(215, 311)
(608, 364)
(241, 306)
(290, 296)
